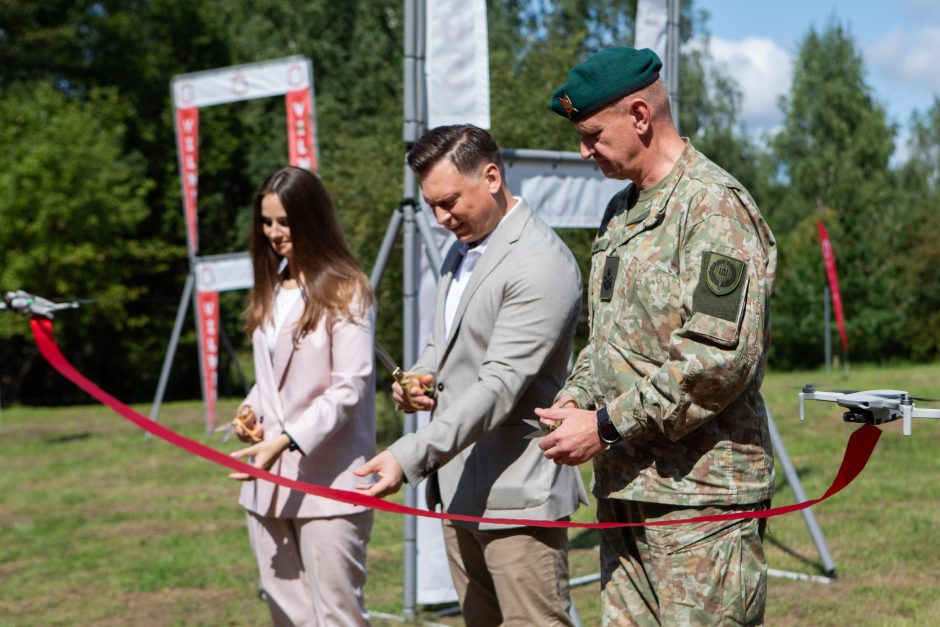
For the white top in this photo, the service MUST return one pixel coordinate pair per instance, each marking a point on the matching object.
(284, 300)
(471, 255)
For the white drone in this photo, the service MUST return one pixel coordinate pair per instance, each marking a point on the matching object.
(873, 407)
(27, 304)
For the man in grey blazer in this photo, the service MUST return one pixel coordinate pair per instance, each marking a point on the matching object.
(507, 304)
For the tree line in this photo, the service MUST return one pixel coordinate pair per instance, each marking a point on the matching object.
(90, 197)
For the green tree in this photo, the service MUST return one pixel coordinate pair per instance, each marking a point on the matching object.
(919, 181)
(72, 203)
(833, 154)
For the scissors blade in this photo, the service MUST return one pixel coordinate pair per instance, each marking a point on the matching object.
(539, 429)
(226, 429)
(387, 361)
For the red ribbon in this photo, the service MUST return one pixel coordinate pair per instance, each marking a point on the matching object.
(860, 447)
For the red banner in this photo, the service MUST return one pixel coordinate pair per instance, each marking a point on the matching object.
(829, 259)
(187, 128)
(859, 449)
(300, 131)
(208, 306)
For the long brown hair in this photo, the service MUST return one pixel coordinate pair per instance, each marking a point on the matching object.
(331, 280)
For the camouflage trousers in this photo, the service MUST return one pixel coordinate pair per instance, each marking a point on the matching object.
(711, 573)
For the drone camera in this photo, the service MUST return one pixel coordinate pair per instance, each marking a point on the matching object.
(861, 416)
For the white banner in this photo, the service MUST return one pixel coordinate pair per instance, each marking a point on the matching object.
(457, 63)
(434, 583)
(242, 82)
(652, 17)
(564, 189)
(221, 273)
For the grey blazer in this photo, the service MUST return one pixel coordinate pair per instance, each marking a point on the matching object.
(507, 353)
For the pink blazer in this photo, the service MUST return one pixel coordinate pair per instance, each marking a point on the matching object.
(322, 392)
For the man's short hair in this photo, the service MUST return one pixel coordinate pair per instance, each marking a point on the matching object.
(467, 146)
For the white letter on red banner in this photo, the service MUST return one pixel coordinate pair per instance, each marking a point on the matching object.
(300, 129)
(208, 303)
(187, 128)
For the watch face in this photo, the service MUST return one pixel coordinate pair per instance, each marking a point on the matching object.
(608, 432)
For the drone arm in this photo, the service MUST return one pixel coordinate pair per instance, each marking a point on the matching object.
(925, 413)
(816, 395)
(827, 396)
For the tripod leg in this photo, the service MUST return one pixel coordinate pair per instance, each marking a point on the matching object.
(171, 349)
(793, 479)
(388, 242)
(430, 245)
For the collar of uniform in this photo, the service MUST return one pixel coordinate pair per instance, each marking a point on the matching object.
(657, 197)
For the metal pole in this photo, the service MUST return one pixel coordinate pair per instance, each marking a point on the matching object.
(793, 479)
(827, 338)
(430, 246)
(171, 349)
(388, 242)
(672, 58)
(410, 312)
(412, 128)
(199, 357)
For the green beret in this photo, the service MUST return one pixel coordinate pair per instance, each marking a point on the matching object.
(604, 78)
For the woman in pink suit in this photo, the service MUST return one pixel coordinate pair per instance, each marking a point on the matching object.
(311, 319)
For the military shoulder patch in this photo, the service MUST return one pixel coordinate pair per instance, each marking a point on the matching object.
(722, 274)
(720, 286)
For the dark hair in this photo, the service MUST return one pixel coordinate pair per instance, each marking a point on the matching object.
(467, 146)
(321, 262)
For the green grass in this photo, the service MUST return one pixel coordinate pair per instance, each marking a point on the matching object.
(98, 526)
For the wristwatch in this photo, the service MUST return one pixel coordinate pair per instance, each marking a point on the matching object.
(606, 429)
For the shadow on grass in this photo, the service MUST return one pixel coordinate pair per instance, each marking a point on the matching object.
(586, 539)
(66, 439)
(817, 566)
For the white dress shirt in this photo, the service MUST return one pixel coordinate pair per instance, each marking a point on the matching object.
(471, 255)
(284, 300)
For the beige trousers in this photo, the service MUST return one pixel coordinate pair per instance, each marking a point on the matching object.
(513, 577)
(313, 570)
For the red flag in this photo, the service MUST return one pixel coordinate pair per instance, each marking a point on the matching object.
(300, 131)
(829, 259)
(208, 307)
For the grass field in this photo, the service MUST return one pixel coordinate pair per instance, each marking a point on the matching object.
(100, 527)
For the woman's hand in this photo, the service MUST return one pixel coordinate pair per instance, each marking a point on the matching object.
(264, 453)
(247, 426)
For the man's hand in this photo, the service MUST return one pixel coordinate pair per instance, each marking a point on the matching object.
(565, 401)
(419, 386)
(575, 440)
(390, 475)
(265, 454)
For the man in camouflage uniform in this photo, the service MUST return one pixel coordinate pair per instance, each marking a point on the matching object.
(665, 396)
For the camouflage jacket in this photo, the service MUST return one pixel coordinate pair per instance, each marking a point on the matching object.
(679, 294)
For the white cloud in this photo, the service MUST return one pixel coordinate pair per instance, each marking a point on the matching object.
(909, 57)
(762, 70)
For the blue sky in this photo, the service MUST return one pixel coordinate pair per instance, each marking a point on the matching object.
(899, 41)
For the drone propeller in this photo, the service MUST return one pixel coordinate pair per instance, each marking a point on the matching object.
(810, 388)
